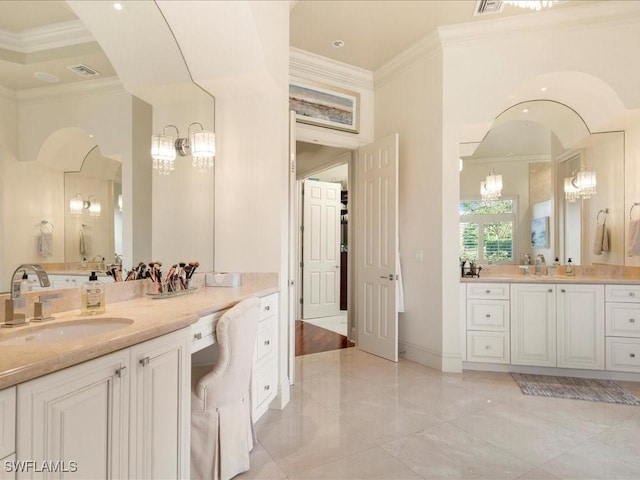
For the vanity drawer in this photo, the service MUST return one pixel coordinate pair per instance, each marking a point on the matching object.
(496, 291)
(268, 306)
(491, 315)
(265, 340)
(488, 347)
(623, 354)
(203, 332)
(264, 385)
(622, 293)
(623, 319)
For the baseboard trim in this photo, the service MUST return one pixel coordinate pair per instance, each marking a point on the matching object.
(564, 372)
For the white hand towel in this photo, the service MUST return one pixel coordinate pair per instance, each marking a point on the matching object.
(85, 242)
(633, 239)
(601, 240)
(45, 244)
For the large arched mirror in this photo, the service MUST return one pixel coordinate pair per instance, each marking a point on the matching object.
(536, 147)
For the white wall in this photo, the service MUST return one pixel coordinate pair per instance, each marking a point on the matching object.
(408, 101)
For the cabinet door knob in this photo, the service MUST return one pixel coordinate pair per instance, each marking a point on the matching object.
(121, 372)
(632, 294)
(267, 387)
(487, 347)
(488, 291)
(198, 336)
(267, 342)
(562, 290)
(551, 290)
(632, 355)
(144, 361)
(632, 320)
(267, 308)
(488, 315)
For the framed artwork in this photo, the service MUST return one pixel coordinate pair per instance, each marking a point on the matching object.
(325, 106)
(540, 232)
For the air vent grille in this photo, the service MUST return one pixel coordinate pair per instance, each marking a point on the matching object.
(83, 70)
(484, 7)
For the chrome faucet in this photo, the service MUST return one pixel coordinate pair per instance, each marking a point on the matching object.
(11, 318)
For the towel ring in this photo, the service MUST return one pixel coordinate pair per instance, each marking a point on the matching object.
(46, 227)
(636, 204)
(605, 211)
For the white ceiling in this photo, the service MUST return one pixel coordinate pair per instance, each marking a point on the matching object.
(374, 31)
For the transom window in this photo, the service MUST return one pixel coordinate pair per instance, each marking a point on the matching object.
(487, 230)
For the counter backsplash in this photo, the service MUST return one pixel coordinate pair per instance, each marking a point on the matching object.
(612, 272)
(117, 292)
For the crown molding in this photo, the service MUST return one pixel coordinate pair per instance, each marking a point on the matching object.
(70, 90)
(611, 13)
(542, 157)
(427, 47)
(305, 64)
(58, 35)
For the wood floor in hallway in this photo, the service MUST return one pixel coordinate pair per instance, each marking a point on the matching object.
(312, 339)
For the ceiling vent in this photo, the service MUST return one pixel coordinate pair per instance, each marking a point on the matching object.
(83, 70)
(484, 7)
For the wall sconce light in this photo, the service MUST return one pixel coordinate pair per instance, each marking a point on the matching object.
(78, 204)
(200, 144)
(491, 188)
(580, 185)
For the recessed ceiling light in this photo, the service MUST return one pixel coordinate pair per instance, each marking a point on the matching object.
(117, 6)
(525, 110)
(46, 77)
(543, 89)
(337, 44)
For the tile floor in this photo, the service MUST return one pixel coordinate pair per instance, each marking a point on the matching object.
(356, 416)
(337, 323)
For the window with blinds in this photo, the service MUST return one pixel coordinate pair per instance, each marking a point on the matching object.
(487, 230)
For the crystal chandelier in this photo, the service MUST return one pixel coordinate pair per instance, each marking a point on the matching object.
(491, 188)
(536, 5)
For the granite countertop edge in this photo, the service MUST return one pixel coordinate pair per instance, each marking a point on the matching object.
(151, 318)
(550, 279)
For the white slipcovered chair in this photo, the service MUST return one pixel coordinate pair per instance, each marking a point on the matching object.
(221, 424)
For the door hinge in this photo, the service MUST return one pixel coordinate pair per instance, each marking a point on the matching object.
(302, 228)
(301, 264)
(301, 301)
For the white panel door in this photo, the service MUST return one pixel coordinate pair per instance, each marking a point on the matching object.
(321, 249)
(78, 416)
(533, 324)
(581, 326)
(377, 248)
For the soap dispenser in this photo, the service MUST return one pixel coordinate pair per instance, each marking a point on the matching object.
(569, 268)
(93, 297)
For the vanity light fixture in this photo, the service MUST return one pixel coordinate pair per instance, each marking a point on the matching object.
(78, 204)
(536, 5)
(580, 185)
(200, 144)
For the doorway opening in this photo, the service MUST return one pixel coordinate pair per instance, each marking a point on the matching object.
(322, 320)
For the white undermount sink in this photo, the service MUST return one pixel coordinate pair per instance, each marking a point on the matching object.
(53, 332)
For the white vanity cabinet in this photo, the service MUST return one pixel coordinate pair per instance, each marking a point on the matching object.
(487, 322)
(580, 322)
(264, 379)
(557, 325)
(122, 415)
(623, 328)
(533, 324)
(7, 431)
(79, 414)
(160, 407)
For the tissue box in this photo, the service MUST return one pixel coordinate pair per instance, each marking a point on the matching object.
(220, 279)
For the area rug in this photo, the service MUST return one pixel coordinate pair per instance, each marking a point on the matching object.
(575, 388)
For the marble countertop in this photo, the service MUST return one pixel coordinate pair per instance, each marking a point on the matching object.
(151, 318)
